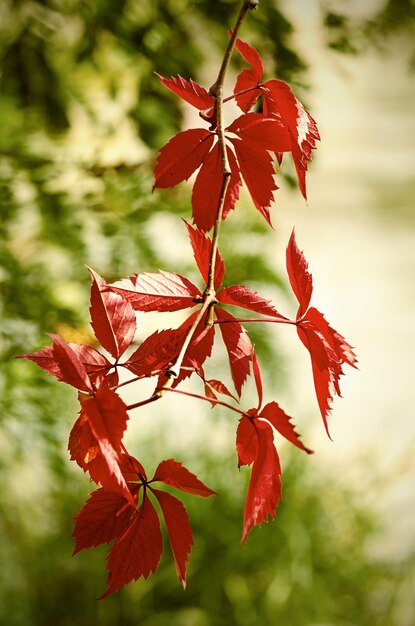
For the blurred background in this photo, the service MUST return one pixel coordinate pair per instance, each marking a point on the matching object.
(81, 120)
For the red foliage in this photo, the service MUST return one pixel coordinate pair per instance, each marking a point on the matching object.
(121, 511)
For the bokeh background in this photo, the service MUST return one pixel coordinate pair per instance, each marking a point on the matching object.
(81, 119)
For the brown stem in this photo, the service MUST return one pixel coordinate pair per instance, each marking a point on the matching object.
(209, 295)
(217, 91)
(174, 371)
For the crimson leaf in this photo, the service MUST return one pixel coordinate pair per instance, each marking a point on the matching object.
(178, 529)
(162, 291)
(173, 473)
(112, 317)
(137, 552)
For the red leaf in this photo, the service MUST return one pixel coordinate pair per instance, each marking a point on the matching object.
(137, 552)
(132, 469)
(220, 387)
(269, 133)
(326, 368)
(246, 441)
(300, 279)
(251, 56)
(178, 529)
(71, 367)
(96, 364)
(235, 182)
(208, 186)
(206, 190)
(202, 246)
(44, 358)
(238, 346)
(189, 91)
(264, 491)
(280, 101)
(257, 377)
(162, 291)
(200, 347)
(156, 352)
(337, 342)
(95, 440)
(246, 80)
(105, 516)
(181, 156)
(173, 473)
(258, 173)
(112, 317)
(280, 420)
(241, 296)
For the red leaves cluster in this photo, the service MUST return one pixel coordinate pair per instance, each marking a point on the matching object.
(133, 525)
(163, 291)
(254, 141)
(121, 511)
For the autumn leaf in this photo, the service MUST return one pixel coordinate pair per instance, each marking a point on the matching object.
(112, 317)
(255, 446)
(105, 515)
(238, 346)
(137, 552)
(188, 90)
(161, 291)
(71, 368)
(109, 516)
(328, 349)
(178, 529)
(95, 442)
(278, 102)
(173, 473)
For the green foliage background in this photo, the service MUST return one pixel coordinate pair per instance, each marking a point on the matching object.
(81, 116)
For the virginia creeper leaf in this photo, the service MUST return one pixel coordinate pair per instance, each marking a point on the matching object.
(191, 92)
(281, 101)
(181, 156)
(178, 529)
(173, 473)
(105, 516)
(258, 173)
(238, 295)
(162, 291)
(44, 358)
(95, 440)
(282, 423)
(326, 368)
(238, 346)
(269, 132)
(137, 552)
(264, 491)
(336, 341)
(70, 365)
(112, 317)
(300, 279)
(246, 441)
(156, 352)
(202, 246)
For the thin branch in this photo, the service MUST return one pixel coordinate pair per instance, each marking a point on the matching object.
(217, 91)
(211, 400)
(136, 405)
